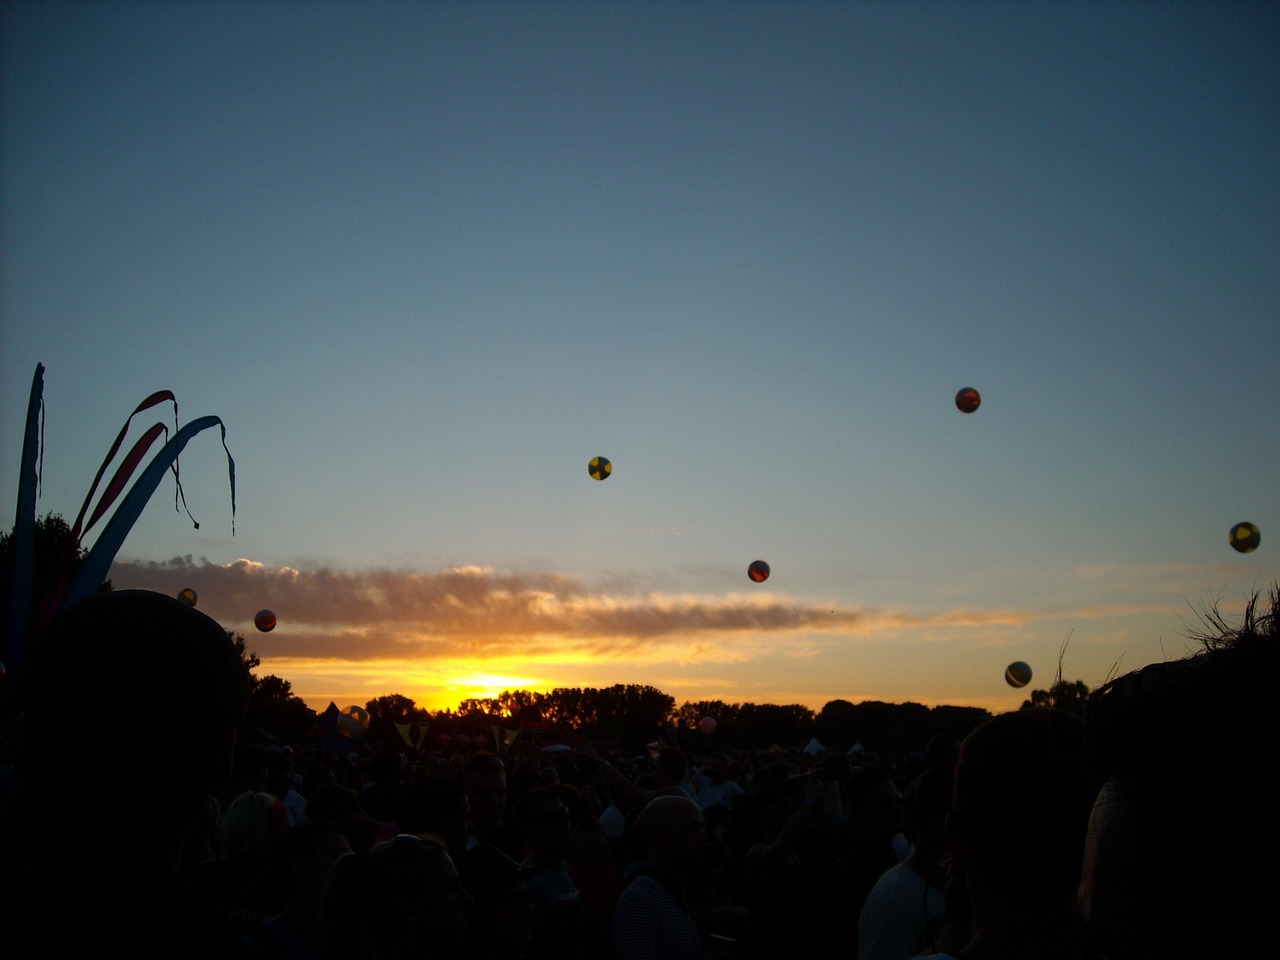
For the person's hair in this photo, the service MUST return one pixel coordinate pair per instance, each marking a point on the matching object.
(251, 825)
(1180, 745)
(1214, 706)
(1022, 801)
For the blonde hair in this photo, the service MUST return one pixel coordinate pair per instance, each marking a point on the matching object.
(250, 825)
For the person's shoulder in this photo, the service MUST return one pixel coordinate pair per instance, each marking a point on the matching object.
(900, 874)
(886, 897)
(642, 886)
(885, 882)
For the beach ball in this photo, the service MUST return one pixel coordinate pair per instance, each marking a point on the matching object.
(707, 725)
(1017, 674)
(599, 468)
(353, 722)
(265, 621)
(968, 400)
(758, 571)
(1245, 537)
(187, 596)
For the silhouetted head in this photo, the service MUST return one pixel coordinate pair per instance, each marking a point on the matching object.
(401, 899)
(484, 777)
(141, 690)
(1020, 805)
(1183, 819)
(302, 858)
(544, 820)
(675, 834)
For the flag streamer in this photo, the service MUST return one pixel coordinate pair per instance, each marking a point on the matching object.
(63, 589)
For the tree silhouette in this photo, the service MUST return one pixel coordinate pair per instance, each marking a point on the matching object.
(395, 708)
(630, 712)
(514, 702)
(489, 706)
(274, 709)
(835, 724)
(387, 711)
(764, 723)
(249, 658)
(1067, 695)
(896, 726)
(52, 539)
(690, 714)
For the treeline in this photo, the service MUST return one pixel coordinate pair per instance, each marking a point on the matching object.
(632, 716)
(637, 709)
(839, 725)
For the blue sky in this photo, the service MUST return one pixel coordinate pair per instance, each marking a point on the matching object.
(426, 259)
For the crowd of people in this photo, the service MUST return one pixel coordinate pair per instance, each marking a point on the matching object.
(1139, 830)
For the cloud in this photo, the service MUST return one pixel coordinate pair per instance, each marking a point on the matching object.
(432, 634)
(473, 611)
(448, 620)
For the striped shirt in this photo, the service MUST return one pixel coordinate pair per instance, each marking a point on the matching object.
(648, 924)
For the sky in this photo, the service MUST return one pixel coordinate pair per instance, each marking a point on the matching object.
(426, 260)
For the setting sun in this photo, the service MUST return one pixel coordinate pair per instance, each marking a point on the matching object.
(485, 686)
